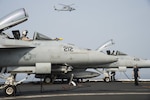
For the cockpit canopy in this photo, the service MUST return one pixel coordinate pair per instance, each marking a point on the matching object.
(36, 36)
(116, 53)
(12, 19)
(39, 36)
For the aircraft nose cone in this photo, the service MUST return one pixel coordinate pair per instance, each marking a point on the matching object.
(100, 58)
(110, 59)
(143, 63)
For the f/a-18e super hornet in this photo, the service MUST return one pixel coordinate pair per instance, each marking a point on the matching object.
(41, 55)
(78, 73)
(107, 70)
(124, 61)
(65, 8)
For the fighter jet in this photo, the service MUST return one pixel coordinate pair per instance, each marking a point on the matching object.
(124, 61)
(78, 74)
(41, 55)
(65, 8)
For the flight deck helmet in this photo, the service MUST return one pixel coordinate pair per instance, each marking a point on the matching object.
(25, 32)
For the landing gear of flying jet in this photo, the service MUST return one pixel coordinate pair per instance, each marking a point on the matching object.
(10, 84)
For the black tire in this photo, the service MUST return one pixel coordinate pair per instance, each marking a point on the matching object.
(10, 90)
(107, 79)
(47, 80)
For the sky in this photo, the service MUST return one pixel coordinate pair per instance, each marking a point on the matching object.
(93, 22)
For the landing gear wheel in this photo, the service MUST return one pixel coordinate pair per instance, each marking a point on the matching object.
(10, 90)
(107, 79)
(47, 80)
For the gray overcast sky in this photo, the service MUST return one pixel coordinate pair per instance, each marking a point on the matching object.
(93, 22)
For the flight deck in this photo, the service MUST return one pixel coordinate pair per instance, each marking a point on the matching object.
(86, 91)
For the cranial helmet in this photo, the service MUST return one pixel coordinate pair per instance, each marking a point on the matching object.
(25, 32)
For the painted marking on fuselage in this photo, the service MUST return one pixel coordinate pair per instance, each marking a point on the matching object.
(68, 49)
(28, 56)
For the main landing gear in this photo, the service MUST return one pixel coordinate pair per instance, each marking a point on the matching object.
(107, 77)
(10, 84)
(71, 80)
(10, 90)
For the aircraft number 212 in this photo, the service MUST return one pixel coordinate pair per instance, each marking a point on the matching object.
(68, 49)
